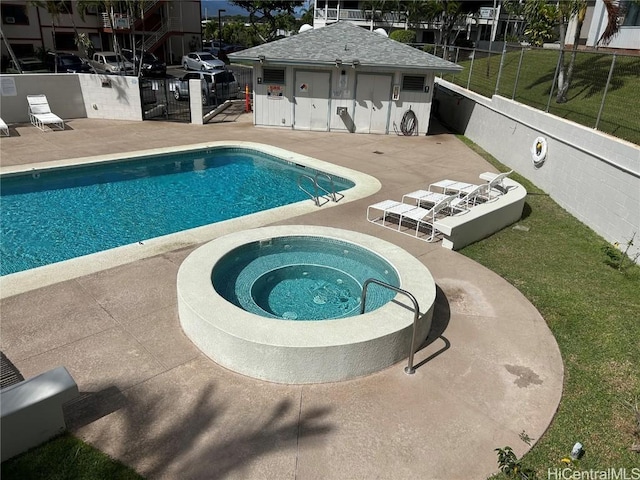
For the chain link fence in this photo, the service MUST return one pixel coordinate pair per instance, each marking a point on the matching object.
(604, 91)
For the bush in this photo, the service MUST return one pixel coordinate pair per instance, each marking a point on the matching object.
(403, 36)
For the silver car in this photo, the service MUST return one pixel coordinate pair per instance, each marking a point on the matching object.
(217, 86)
(201, 61)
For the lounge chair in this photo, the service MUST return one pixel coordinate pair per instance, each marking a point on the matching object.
(40, 114)
(4, 129)
(419, 218)
(494, 186)
(386, 210)
(470, 197)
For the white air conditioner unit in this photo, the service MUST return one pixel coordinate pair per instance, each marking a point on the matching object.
(9, 20)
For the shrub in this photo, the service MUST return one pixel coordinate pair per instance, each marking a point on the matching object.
(403, 36)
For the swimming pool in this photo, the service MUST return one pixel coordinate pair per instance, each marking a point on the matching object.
(52, 215)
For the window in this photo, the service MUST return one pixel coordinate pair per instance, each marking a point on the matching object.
(273, 76)
(631, 11)
(65, 41)
(413, 83)
(65, 6)
(14, 14)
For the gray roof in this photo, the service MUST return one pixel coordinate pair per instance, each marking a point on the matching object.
(348, 43)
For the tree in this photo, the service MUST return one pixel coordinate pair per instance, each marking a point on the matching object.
(54, 9)
(272, 15)
(543, 17)
(450, 12)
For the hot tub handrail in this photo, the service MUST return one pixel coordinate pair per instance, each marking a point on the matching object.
(409, 370)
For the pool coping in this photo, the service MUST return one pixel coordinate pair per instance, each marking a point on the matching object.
(27, 280)
(290, 351)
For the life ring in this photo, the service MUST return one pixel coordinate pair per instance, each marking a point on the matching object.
(539, 151)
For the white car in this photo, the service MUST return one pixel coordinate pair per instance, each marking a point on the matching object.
(201, 61)
(110, 62)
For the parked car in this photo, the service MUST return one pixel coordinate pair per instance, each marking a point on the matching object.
(67, 63)
(28, 65)
(201, 61)
(217, 86)
(152, 66)
(219, 54)
(110, 62)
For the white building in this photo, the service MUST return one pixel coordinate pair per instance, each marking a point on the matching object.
(342, 78)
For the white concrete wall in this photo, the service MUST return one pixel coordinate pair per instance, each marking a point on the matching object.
(63, 92)
(594, 176)
(72, 95)
(111, 97)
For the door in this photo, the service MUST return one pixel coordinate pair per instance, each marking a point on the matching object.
(311, 111)
(373, 100)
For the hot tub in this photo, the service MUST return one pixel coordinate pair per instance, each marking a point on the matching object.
(253, 322)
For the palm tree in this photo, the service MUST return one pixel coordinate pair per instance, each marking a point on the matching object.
(54, 9)
(577, 9)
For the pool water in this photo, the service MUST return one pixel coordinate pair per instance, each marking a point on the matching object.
(55, 215)
(303, 278)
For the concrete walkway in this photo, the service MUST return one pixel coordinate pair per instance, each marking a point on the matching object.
(490, 370)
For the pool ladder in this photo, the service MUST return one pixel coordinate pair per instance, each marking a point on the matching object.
(315, 196)
(409, 369)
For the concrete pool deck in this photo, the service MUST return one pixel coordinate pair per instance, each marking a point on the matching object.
(150, 398)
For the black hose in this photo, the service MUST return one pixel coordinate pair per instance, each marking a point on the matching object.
(409, 123)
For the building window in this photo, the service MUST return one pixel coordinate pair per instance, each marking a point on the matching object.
(14, 14)
(273, 76)
(631, 14)
(413, 83)
(65, 6)
(65, 41)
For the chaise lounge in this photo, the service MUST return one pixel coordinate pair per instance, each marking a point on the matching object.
(40, 113)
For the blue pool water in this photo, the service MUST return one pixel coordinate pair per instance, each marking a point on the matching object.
(303, 278)
(51, 216)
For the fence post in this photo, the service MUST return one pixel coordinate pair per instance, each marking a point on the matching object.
(504, 51)
(606, 88)
(515, 86)
(553, 85)
(473, 57)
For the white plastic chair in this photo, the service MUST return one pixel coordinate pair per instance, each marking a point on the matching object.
(4, 129)
(40, 113)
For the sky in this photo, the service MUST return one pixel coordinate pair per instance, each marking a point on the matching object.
(210, 8)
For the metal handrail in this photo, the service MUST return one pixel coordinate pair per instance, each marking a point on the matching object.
(409, 370)
(314, 196)
(331, 193)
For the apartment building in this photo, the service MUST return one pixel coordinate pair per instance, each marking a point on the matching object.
(170, 28)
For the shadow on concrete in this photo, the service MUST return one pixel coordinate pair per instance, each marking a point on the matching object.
(441, 317)
(211, 440)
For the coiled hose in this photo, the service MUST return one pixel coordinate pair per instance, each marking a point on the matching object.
(409, 123)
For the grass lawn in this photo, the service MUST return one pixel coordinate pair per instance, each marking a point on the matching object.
(592, 309)
(533, 84)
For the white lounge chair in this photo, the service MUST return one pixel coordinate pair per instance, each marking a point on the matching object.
(4, 129)
(427, 199)
(41, 115)
(418, 218)
(494, 186)
(388, 209)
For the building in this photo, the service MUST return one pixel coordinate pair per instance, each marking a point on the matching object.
(170, 28)
(595, 22)
(343, 78)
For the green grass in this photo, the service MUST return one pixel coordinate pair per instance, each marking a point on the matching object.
(591, 308)
(593, 311)
(65, 458)
(622, 103)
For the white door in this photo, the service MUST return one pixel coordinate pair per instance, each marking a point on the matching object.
(373, 100)
(312, 101)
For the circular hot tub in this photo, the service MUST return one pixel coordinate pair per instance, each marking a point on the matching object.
(301, 277)
(283, 303)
